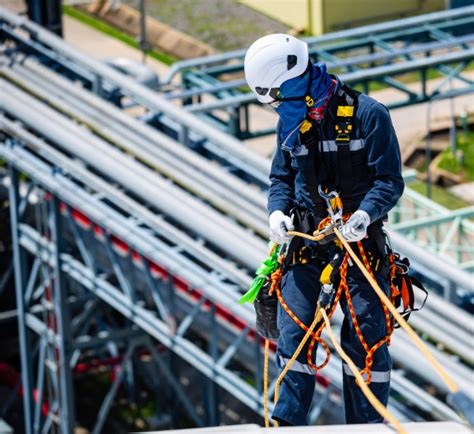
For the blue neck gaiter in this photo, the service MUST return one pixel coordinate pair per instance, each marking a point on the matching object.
(293, 113)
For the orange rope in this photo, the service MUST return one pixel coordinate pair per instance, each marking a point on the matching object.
(450, 383)
(343, 287)
(315, 335)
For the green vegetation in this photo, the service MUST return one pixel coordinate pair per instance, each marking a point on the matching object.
(439, 195)
(222, 24)
(462, 164)
(114, 33)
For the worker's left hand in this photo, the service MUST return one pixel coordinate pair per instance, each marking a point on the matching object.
(356, 227)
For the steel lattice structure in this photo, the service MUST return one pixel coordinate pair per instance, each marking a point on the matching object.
(110, 261)
(368, 58)
(72, 266)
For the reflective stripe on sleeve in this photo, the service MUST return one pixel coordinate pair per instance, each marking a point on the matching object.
(377, 376)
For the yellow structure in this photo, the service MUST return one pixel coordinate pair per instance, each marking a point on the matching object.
(322, 16)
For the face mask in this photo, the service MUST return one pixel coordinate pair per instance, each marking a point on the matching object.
(292, 100)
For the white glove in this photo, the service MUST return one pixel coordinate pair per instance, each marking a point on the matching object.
(280, 224)
(356, 227)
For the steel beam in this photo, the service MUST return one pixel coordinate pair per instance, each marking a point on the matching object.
(20, 266)
(61, 308)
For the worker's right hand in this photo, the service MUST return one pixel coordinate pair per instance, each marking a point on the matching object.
(280, 224)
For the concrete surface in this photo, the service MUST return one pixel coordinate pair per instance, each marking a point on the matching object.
(100, 46)
(411, 428)
(464, 191)
(159, 35)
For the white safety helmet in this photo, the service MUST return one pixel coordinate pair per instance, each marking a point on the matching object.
(272, 60)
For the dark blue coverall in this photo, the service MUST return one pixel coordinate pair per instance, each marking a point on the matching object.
(375, 144)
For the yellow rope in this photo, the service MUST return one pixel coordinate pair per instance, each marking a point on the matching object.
(317, 318)
(381, 409)
(265, 384)
(411, 333)
(315, 237)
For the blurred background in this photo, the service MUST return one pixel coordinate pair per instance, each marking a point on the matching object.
(133, 176)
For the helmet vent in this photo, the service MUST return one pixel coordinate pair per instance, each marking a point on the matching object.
(291, 60)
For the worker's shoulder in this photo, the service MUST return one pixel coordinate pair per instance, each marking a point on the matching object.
(369, 107)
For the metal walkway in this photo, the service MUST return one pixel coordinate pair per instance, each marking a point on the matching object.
(128, 220)
(401, 55)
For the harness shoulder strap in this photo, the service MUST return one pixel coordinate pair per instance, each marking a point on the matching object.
(344, 126)
(309, 137)
(316, 173)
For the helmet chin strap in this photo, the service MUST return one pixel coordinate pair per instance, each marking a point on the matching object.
(307, 96)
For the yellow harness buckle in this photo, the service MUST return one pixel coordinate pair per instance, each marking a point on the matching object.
(345, 111)
(305, 126)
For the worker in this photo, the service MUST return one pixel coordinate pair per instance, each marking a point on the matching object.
(331, 136)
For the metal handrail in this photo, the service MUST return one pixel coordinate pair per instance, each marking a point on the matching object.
(329, 37)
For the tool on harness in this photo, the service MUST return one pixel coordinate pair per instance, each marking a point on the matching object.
(403, 293)
(334, 208)
(262, 274)
(329, 279)
(265, 306)
(262, 294)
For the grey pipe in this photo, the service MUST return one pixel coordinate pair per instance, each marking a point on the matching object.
(421, 256)
(108, 111)
(145, 96)
(192, 178)
(79, 172)
(457, 316)
(145, 183)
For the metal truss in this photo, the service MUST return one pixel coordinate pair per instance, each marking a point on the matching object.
(449, 234)
(61, 312)
(104, 247)
(76, 266)
(109, 262)
(438, 44)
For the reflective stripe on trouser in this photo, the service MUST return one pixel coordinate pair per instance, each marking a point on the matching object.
(300, 290)
(376, 376)
(371, 319)
(297, 366)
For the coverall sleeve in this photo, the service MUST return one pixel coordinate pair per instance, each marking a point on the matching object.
(384, 162)
(282, 180)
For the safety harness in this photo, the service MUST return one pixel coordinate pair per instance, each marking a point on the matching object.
(317, 173)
